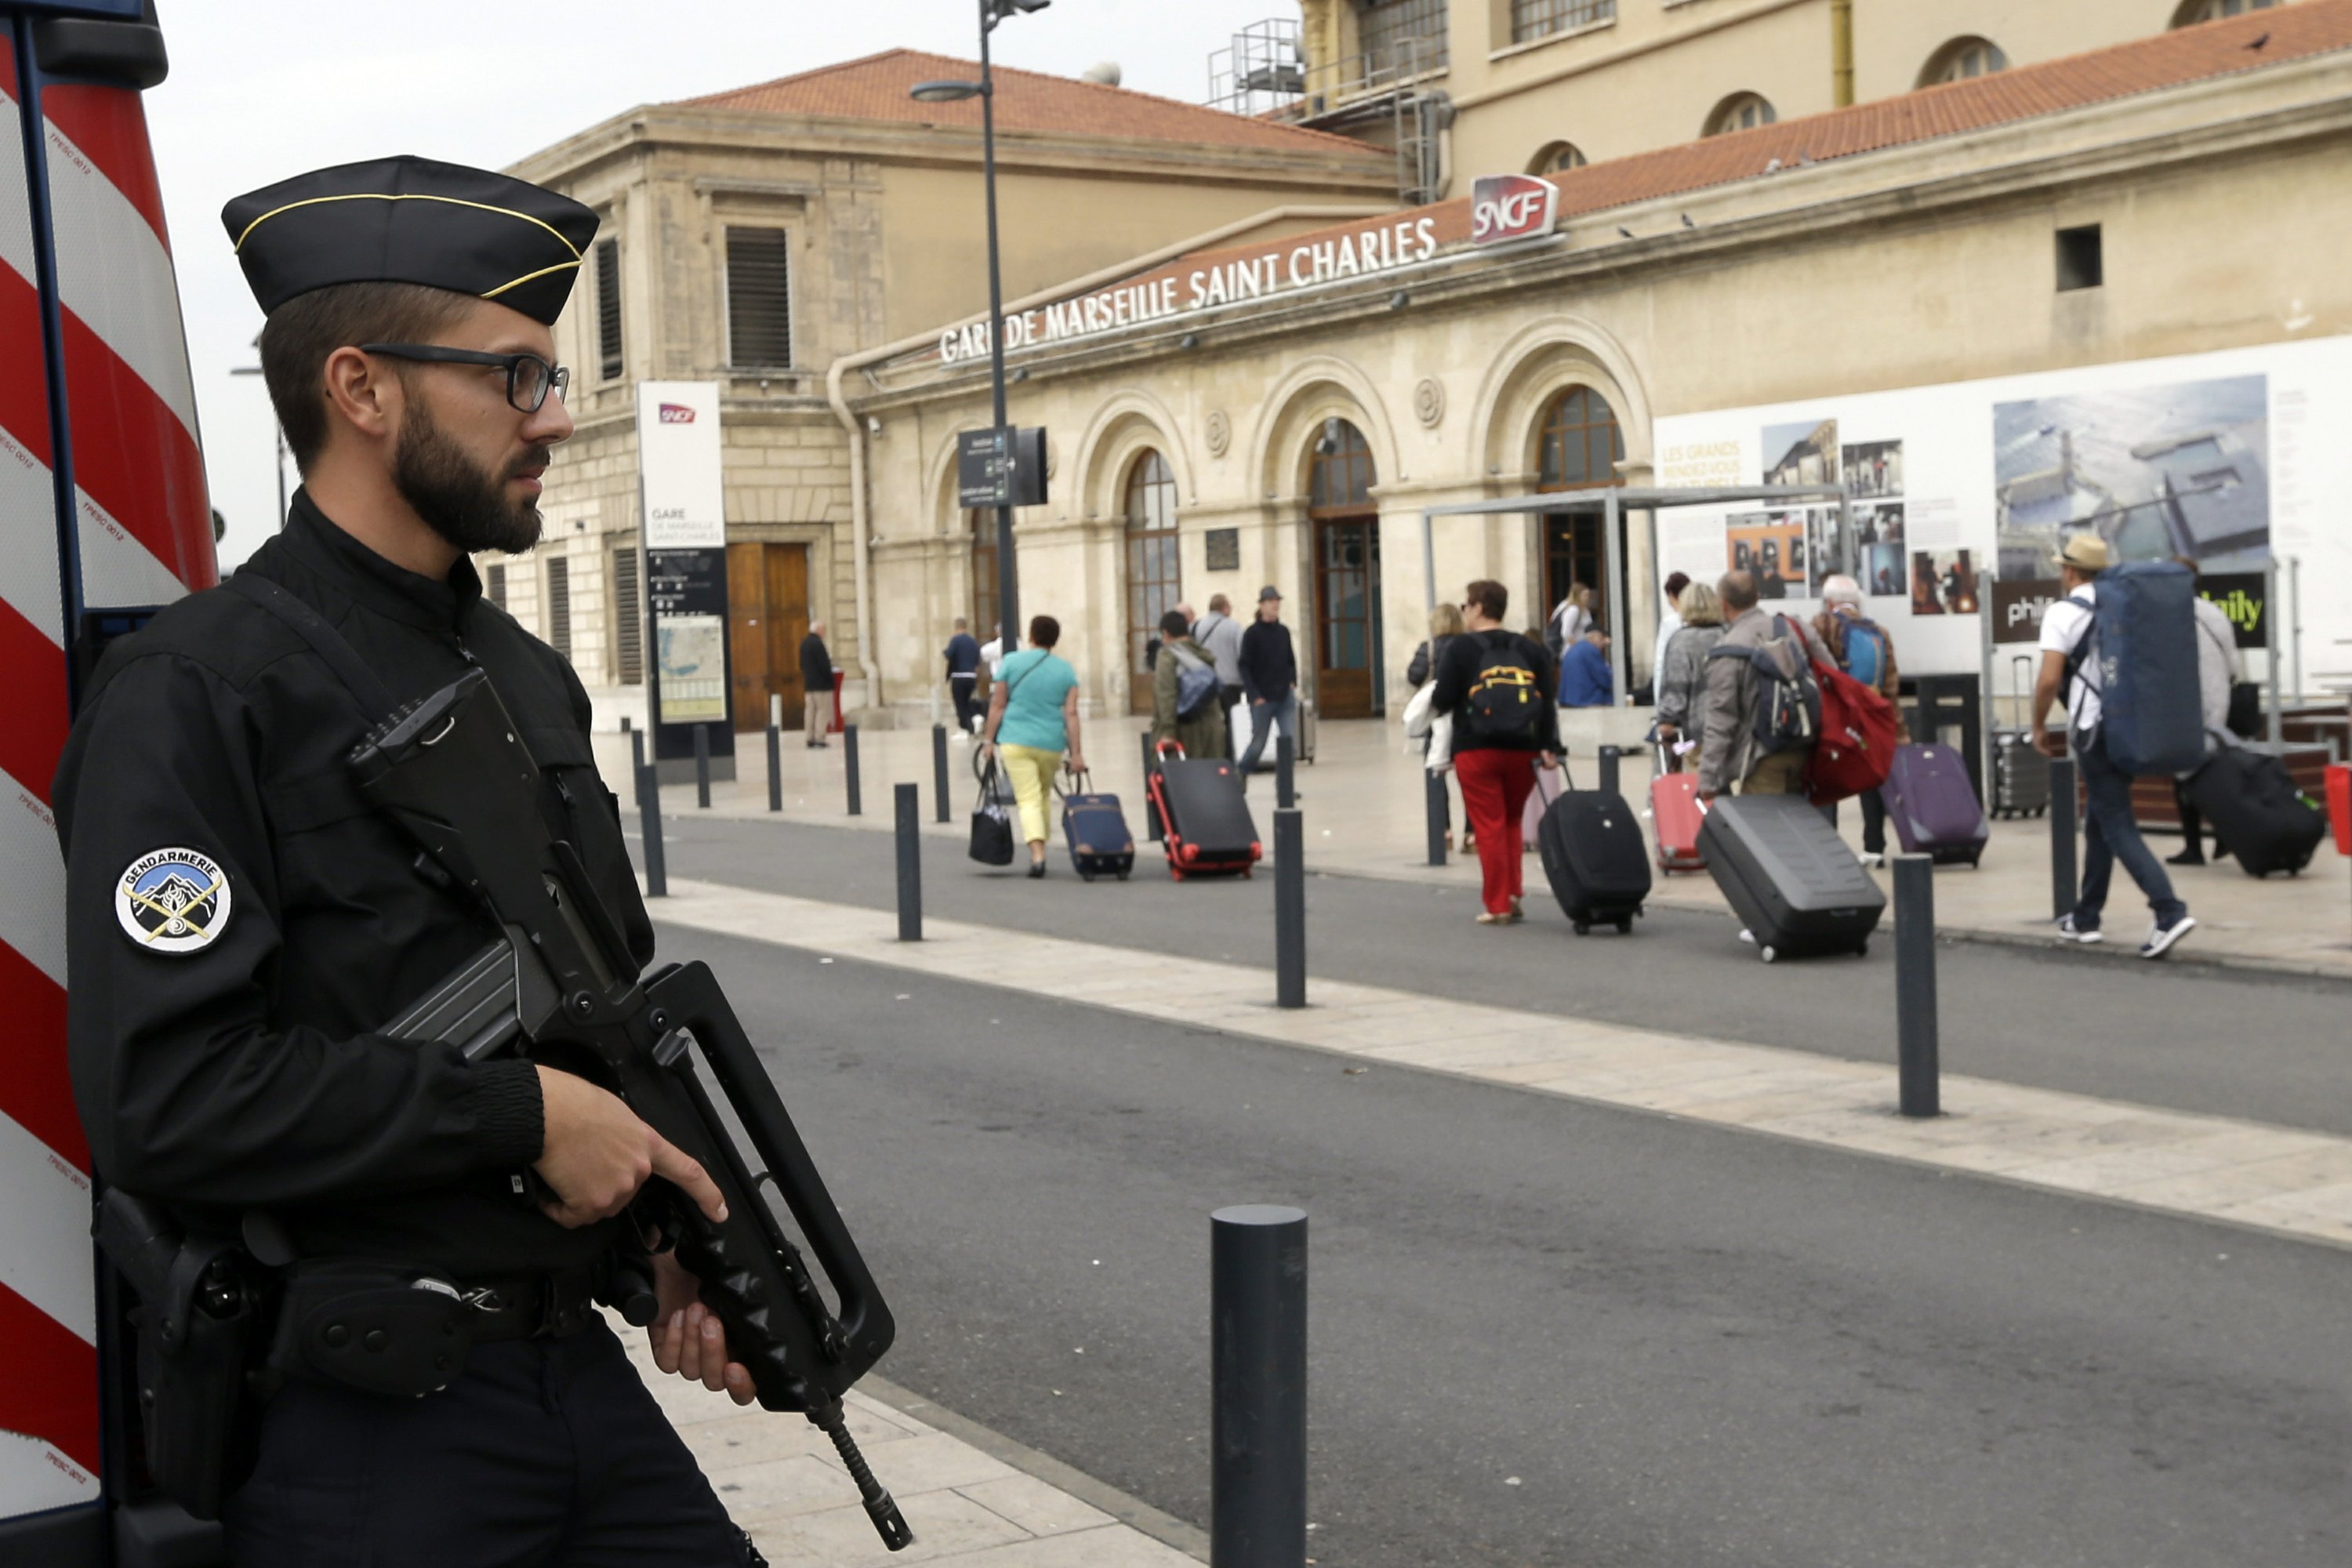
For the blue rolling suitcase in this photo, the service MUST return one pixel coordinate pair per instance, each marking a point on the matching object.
(1096, 830)
(1932, 805)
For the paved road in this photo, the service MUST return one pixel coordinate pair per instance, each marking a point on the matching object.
(2269, 1048)
(1688, 1346)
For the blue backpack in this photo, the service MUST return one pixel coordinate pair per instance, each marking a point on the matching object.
(1863, 650)
(1196, 683)
(2143, 632)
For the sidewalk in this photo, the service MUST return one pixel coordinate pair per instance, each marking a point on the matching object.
(1364, 806)
(780, 1479)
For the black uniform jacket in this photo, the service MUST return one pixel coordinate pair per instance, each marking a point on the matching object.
(242, 1073)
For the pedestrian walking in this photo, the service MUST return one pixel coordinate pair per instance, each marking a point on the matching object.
(1762, 758)
(1865, 650)
(1571, 619)
(962, 655)
(1682, 673)
(816, 687)
(1184, 706)
(1033, 725)
(2218, 671)
(2110, 834)
(1219, 635)
(1444, 625)
(1497, 685)
(1269, 669)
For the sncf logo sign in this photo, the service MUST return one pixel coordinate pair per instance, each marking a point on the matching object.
(676, 414)
(1510, 207)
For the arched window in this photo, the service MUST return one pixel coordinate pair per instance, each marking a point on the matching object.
(1740, 111)
(984, 599)
(1154, 581)
(1579, 444)
(1962, 58)
(1558, 158)
(1340, 473)
(2195, 11)
(1577, 447)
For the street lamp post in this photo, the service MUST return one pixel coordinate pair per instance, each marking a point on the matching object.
(1008, 581)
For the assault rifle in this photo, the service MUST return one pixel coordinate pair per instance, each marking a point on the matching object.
(561, 987)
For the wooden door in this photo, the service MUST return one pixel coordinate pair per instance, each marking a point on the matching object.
(1347, 615)
(767, 617)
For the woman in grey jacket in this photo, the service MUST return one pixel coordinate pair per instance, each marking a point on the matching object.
(1682, 670)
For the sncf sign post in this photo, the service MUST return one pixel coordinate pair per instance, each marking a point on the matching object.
(1505, 207)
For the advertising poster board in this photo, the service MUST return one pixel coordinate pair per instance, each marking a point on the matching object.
(681, 467)
(1960, 492)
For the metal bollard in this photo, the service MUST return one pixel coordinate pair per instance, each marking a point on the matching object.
(1257, 1415)
(2064, 882)
(650, 822)
(939, 769)
(1915, 984)
(1151, 823)
(1607, 773)
(1290, 909)
(636, 754)
(849, 761)
(702, 766)
(1284, 794)
(775, 768)
(1434, 809)
(911, 862)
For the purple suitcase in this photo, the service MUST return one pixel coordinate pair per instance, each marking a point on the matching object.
(1934, 809)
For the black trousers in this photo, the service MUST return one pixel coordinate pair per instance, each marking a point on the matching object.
(1230, 696)
(960, 687)
(546, 1452)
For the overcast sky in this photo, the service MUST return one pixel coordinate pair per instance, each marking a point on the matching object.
(260, 89)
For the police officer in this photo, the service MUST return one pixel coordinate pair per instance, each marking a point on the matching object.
(240, 921)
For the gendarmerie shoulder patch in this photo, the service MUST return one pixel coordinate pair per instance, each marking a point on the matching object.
(173, 900)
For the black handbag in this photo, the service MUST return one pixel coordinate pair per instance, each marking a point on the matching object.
(2247, 720)
(992, 822)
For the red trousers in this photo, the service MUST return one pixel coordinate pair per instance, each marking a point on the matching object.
(1494, 789)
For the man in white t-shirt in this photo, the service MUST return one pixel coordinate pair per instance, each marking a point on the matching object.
(2068, 630)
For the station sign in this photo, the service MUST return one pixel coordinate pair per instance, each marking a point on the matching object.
(1504, 207)
(1003, 466)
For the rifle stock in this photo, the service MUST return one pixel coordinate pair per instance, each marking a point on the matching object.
(560, 985)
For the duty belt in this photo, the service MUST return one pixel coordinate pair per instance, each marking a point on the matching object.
(532, 1306)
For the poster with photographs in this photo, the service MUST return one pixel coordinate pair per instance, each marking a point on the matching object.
(1943, 582)
(1823, 556)
(1802, 453)
(1772, 544)
(1881, 575)
(1873, 469)
(2178, 468)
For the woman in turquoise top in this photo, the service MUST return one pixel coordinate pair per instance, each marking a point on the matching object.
(1033, 720)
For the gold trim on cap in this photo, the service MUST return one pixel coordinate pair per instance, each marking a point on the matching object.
(390, 197)
(526, 278)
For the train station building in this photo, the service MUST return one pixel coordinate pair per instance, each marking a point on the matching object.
(2085, 276)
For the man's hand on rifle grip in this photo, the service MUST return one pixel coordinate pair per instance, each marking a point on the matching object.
(688, 1339)
(596, 1154)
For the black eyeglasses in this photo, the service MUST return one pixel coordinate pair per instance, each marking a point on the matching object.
(529, 377)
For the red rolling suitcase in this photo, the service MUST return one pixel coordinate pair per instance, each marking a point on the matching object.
(1206, 818)
(1675, 818)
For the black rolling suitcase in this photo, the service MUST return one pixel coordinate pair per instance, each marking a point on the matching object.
(2021, 774)
(2253, 807)
(1789, 876)
(1096, 830)
(1593, 852)
(1206, 819)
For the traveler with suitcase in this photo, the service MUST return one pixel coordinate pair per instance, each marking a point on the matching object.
(1184, 691)
(2217, 677)
(1033, 722)
(1498, 686)
(1762, 714)
(1682, 673)
(2121, 647)
(1864, 650)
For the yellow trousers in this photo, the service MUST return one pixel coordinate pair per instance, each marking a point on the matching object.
(1031, 772)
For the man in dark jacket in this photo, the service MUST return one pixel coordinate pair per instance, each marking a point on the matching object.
(1499, 686)
(1269, 678)
(963, 674)
(240, 923)
(816, 687)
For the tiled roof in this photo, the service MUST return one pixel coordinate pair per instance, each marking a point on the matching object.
(876, 87)
(2024, 92)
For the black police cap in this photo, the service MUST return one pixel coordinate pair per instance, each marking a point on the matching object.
(412, 220)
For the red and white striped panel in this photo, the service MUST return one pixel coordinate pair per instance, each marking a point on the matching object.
(144, 537)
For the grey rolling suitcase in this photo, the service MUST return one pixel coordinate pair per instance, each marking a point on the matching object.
(1789, 876)
(2021, 774)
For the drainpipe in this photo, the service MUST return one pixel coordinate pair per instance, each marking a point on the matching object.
(1841, 53)
(860, 547)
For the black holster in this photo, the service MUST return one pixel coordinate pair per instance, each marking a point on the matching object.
(200, 1325)
(381, 1329)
